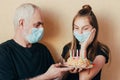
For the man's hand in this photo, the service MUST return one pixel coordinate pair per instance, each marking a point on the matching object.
(56, 71)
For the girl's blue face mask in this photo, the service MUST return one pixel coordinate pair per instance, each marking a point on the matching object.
(36, 35)
(82, 37)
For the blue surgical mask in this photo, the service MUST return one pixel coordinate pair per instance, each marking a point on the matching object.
(35, 35)
(81, 37)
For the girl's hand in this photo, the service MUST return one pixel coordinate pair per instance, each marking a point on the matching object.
(89, 40)
(76, 70)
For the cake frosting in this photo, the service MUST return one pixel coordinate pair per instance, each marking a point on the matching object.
(79, 62)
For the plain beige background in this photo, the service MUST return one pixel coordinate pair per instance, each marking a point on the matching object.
(58, 15)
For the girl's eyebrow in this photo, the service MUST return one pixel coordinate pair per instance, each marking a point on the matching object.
(86, 25)
(82, 27)
(76, 25)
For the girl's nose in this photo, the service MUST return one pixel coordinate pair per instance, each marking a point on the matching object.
(80, 31)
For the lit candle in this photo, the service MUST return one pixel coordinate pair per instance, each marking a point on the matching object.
(77, 53)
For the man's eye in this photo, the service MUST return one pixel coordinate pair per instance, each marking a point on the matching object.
(38, 24)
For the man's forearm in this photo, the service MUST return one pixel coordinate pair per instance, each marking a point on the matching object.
(40, 77)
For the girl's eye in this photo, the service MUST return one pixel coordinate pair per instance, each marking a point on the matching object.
(85, 28)
(76, 28)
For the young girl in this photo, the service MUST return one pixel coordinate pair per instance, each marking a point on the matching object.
(85, 32)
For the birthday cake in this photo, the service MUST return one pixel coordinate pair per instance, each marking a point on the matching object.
(79, 62)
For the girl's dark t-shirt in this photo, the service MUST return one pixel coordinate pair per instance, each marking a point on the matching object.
(76, 76)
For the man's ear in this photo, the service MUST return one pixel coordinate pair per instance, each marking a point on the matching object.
(21, 23)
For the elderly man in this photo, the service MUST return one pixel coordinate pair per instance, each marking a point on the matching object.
(22, 57)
